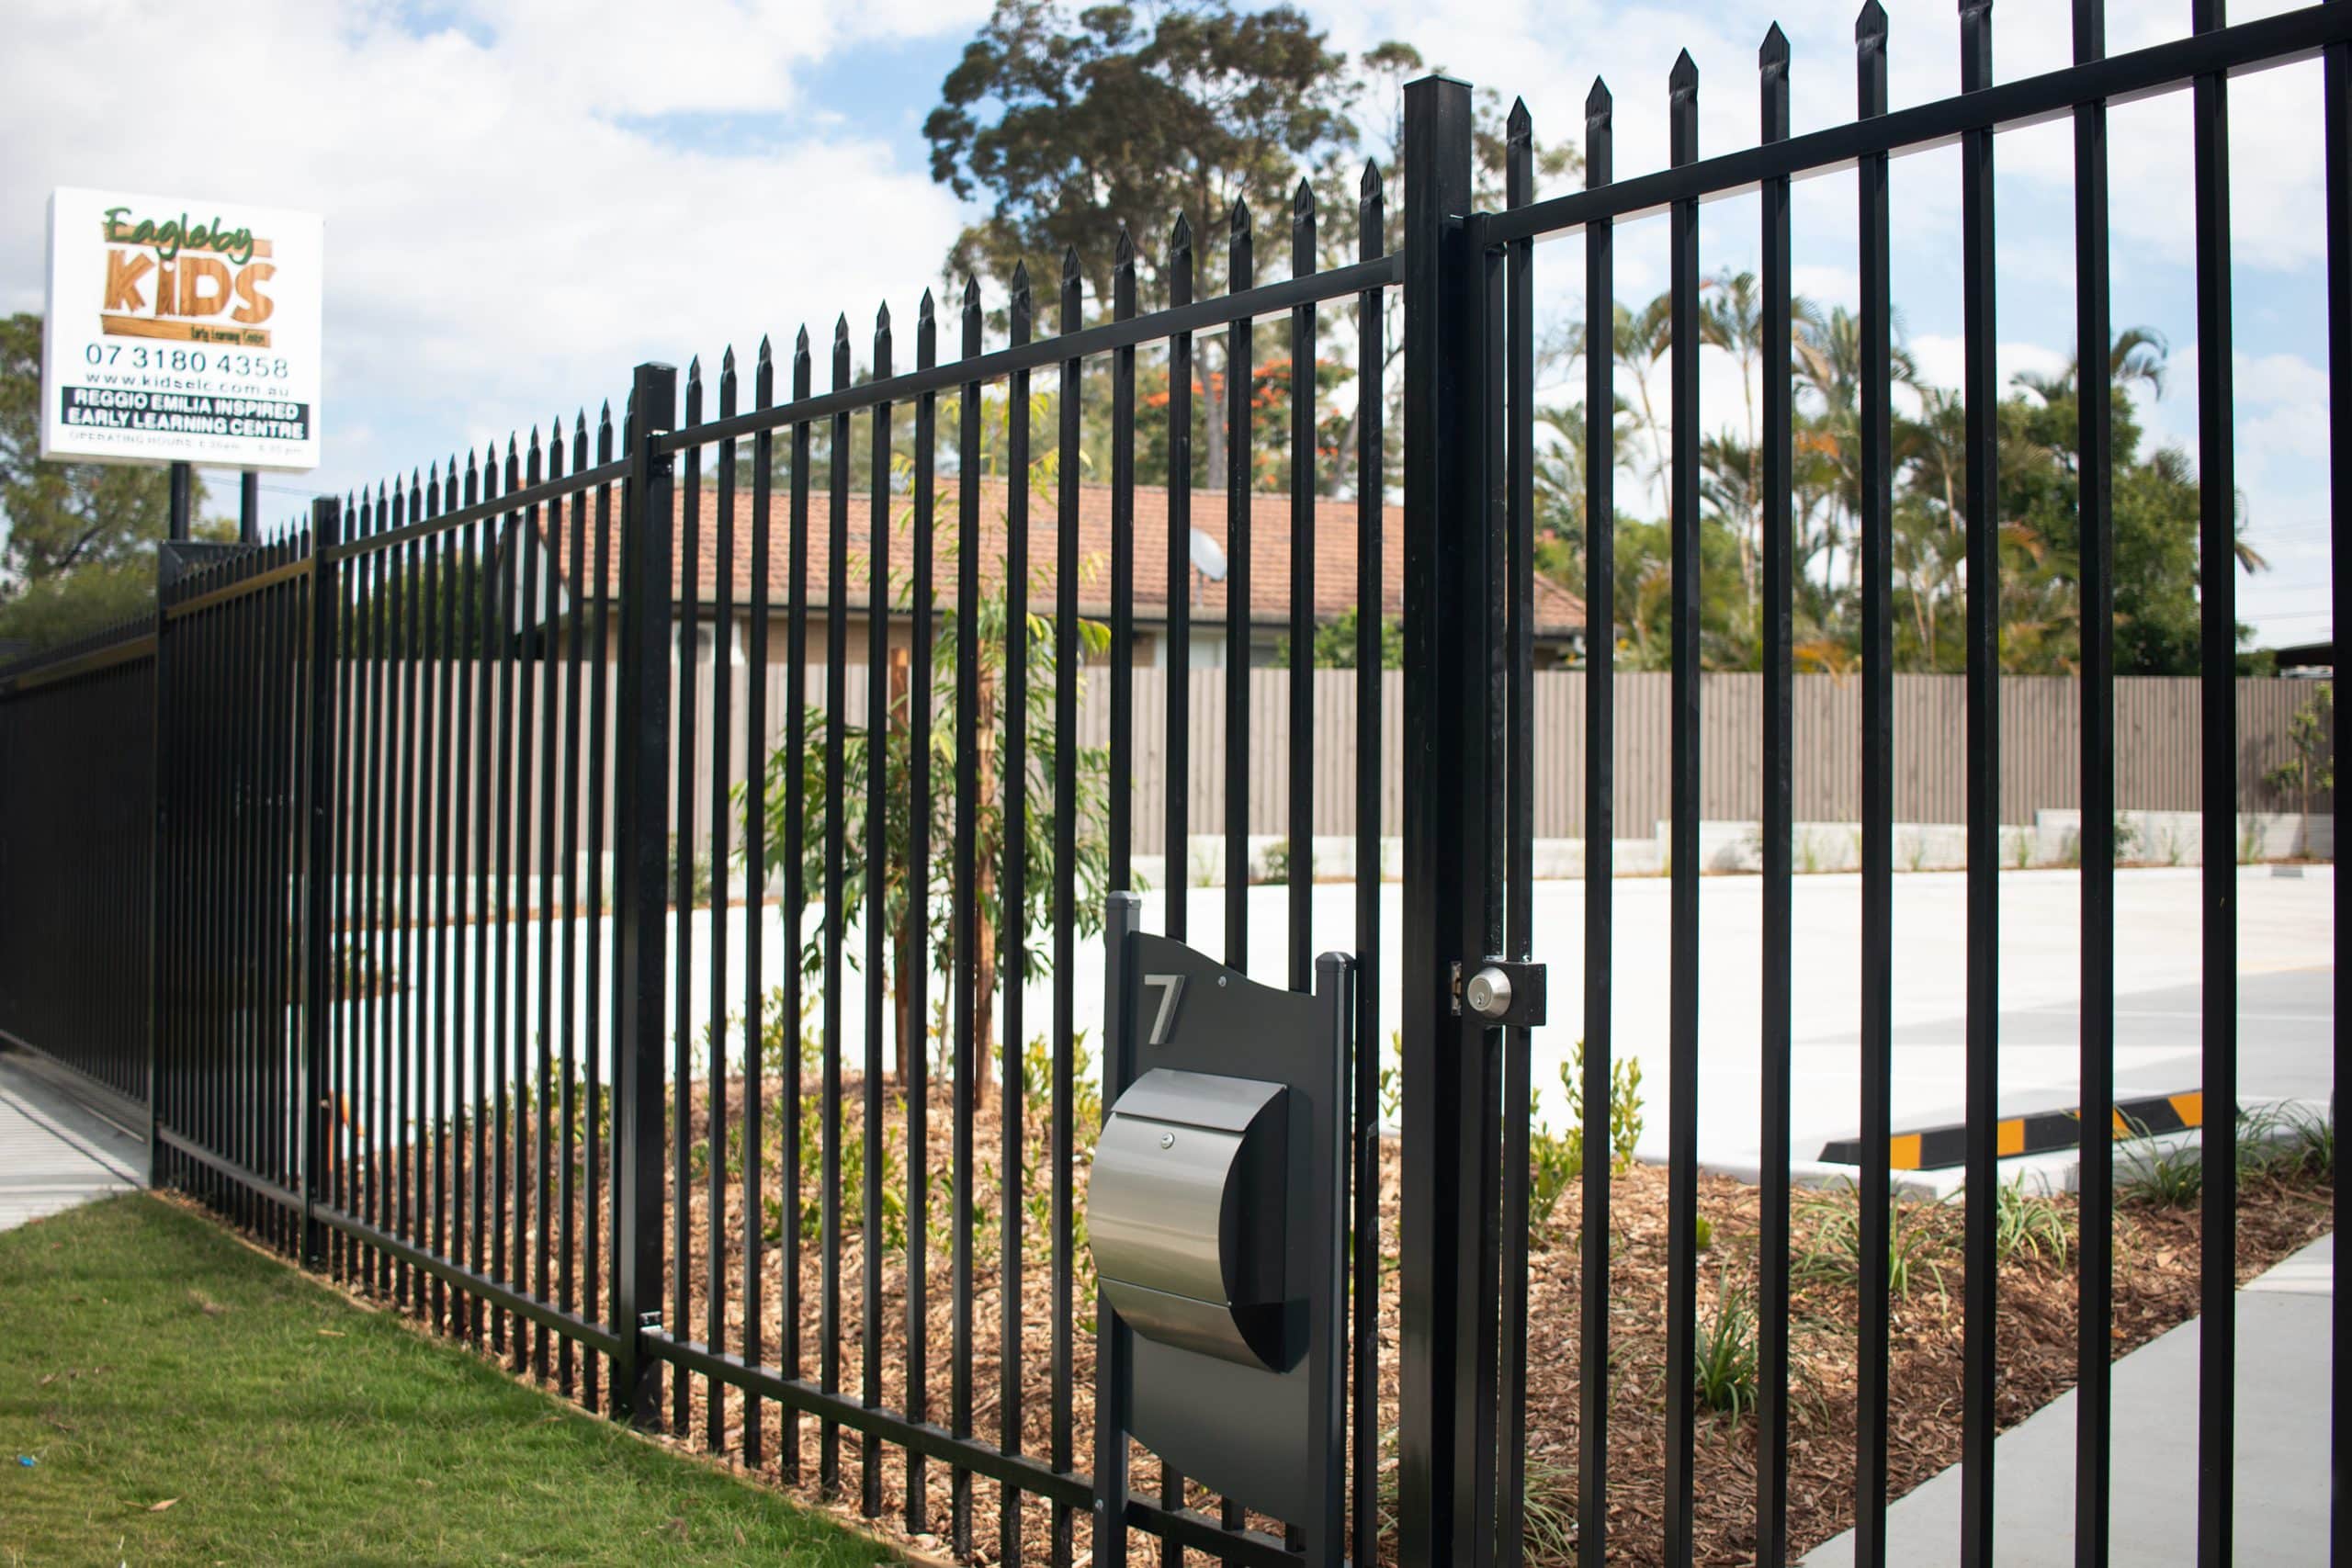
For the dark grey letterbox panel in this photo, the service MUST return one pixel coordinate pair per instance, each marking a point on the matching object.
(1185, 1213)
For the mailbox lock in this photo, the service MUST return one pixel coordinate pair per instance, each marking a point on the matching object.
(1488, 993)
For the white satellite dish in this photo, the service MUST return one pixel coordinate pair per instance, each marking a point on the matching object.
(1208, 559)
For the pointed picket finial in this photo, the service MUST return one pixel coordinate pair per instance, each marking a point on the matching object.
(1302, 200)
(1776, 48)
(1069, 264)
(432, 473)
(1520, 126)
(924, 311)
(1368, 187)
(510, 447)
(1020, 278)
(727, 361)
(605, 417)
(534, 448)
(1870, 25)
(1236, 222)
(841, 329)
(767, 356)
(1180, 235)
(694, 371)
(882, 317)
(1599, 102)
(800, 343)
(1684, 77)
(1124, 257)
(971, 293)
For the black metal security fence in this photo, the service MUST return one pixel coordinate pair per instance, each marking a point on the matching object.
(775, 1148)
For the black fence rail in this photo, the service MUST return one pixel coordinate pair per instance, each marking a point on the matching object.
(782, 1147)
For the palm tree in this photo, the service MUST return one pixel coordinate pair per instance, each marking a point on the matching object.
(1643, 338)
(1731, 318)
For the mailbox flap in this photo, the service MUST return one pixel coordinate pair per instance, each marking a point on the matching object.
(1197, 1100)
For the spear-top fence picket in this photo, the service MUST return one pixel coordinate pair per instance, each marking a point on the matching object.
(353, 871)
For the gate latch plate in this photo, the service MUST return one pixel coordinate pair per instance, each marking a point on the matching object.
(1501, 993)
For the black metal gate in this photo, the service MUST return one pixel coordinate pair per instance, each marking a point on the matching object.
(436, 913)
(1469, 452)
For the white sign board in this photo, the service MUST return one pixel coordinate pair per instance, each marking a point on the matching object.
(181, 332)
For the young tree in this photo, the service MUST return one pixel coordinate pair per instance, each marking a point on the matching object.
(935, 817)
(2312, 732)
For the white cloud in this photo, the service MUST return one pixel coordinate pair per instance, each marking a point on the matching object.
(1943, 360)
(506, 233)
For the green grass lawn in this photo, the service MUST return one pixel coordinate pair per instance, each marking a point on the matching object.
(184, 1399)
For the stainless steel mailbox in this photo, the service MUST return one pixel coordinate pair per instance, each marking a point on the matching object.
(1185, 1211)
(1216, 1216)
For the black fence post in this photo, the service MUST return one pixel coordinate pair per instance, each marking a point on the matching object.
(642, 854)
(1445, 1434)
(160, 819)
(319, 868)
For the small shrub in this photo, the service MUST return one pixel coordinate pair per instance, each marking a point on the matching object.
(1553, 1160)
(1833, 1246)
(1549, 1513)
(1703, 1233)
(1549, 1533)
(1624, 1107)
(2164, 1176)
(2314, 1142)
(357, 971)
(1724, 1360)
(2030, 1226)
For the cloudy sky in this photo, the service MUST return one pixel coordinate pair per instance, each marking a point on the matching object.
(523, 197)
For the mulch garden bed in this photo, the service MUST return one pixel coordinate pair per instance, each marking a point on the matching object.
(2283, 1204)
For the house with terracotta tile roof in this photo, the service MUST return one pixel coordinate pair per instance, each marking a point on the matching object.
(743, 585)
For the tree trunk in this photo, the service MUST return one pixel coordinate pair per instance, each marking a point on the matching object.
(902, 940)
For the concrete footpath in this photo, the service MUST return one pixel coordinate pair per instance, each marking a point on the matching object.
(2282, 1448)
(55, 1153)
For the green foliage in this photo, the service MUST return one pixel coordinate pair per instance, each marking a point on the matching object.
(1554, 1160)
(2154, 505)
(1624, 1107)
(995, 634)
(1336, 643)
(355, 970)
(2312, 733)
(1064, 126)
(1274, 864)
(76, 539)
(1550, 1490)
(2029, 1226)
(1723, 1362)
(1556, 1157)
(1831, 1248)
(2163, 1176)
